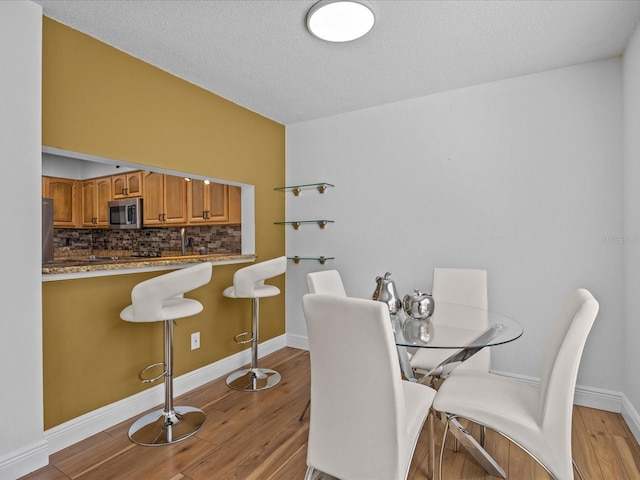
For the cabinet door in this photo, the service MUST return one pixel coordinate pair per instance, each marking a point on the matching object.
(103, 190)
(127, 185)
(175, 199)
(235, 202)
(134, 184)
(63, 191)
(89, 203)
(218, 203)
(119, 183)
(196, 202)
(153, 204)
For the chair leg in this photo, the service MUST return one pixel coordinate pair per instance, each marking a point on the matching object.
(304, 412)
(309, 474)
(444, 438)
(254, 379)
(169, 425)
(432, 445)
(575, 466)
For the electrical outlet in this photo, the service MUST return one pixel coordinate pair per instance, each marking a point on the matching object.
(195, 340)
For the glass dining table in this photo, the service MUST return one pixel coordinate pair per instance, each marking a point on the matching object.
(448, 329)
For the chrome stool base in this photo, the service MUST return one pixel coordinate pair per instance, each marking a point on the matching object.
(162, 428)
(253, 379)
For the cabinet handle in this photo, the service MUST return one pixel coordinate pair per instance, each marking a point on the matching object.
(125, 191)
(159, 217)
(94, 220)
(164, 217)
(206, 214)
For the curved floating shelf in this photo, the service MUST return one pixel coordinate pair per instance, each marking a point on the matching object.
(296, 223)
(320, 259)
(297, 189)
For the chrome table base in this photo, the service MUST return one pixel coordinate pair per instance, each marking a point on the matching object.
(253, 379)
(162, 428)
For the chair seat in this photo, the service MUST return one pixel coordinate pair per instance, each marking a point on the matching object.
(259, 291)
(172, 309)
(512, 411)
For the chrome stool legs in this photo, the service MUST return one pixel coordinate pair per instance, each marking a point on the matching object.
(168, 425)
(253, 379)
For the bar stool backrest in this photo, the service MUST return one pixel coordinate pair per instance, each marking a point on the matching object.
(149, 297)
(248, 281)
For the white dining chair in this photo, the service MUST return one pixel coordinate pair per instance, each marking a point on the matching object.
(535, 417)
(365, 420)
(327, 282)
(461, 286)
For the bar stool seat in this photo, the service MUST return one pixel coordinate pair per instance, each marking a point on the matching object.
(248, 282)
(160, 299)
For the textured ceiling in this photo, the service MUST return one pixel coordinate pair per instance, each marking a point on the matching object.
(258, 53)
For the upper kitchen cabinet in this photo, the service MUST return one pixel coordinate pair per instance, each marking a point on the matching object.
(64, 192)
(127, 185)
(207, 202)
(96, 194)
(235, 203)
(165, 199)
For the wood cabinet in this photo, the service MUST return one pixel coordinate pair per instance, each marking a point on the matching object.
(64, 192)
(165, 199)
(235, 203)
(168, 200)
(207, 202)
(96, 194)
(127, 185)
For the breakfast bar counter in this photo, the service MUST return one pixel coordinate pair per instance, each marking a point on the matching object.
(70, 268)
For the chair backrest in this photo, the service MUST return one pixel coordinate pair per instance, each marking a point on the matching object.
(560, 363)
(248, 278)
(149, 296)
(464, 286)
(357, 400)
(326, 282)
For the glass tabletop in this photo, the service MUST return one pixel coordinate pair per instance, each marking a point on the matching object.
(447, 328)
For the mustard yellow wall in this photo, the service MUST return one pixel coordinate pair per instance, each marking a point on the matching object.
(100, 101)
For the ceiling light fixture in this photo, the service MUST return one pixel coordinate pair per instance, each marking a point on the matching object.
(340, 20)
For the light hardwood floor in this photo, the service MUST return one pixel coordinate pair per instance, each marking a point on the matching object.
(257, 436)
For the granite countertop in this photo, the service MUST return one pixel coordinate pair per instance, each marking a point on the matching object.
(101, 265)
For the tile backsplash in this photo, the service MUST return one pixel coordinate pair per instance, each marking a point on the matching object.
(148, 241)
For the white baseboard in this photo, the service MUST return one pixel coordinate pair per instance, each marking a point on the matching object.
(584, 396)
(19, 463)
(91, 423)
(298, 341)
(631, 416)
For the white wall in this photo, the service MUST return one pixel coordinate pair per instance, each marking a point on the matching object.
(632, 225)
(521, 177)
(22, 446)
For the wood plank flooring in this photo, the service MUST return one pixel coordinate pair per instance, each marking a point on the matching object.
(257, 436)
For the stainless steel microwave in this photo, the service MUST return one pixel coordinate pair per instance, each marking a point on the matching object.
(125, 213)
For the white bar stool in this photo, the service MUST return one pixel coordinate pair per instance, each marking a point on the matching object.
(160, 299)
(248, 282)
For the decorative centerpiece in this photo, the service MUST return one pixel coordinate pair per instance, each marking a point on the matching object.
(386, 292)
(419, 307)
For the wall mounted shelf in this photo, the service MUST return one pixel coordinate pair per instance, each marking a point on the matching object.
(297, 189)
(296, 223)
(321, 259)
